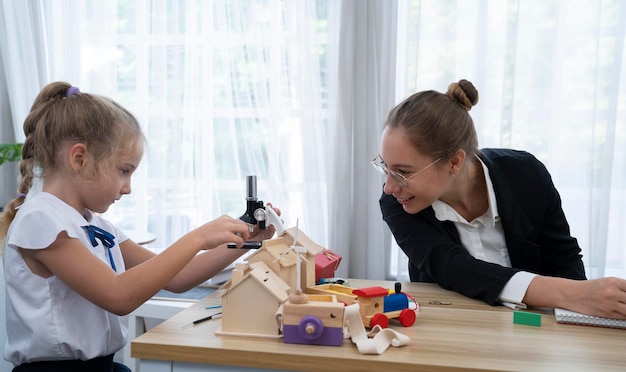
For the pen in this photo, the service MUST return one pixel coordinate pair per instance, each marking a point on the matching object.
(214, 316)
(197, 321)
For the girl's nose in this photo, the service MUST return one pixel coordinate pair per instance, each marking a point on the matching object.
(126, 189)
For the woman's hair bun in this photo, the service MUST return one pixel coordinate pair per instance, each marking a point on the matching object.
(464, 93)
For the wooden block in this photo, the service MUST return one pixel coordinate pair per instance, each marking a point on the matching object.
(527, 318)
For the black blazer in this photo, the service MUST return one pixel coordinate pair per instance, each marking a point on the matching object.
(536, 232)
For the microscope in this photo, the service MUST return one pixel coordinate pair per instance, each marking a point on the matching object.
(257, 213)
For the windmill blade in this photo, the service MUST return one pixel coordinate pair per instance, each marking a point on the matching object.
(292, 248)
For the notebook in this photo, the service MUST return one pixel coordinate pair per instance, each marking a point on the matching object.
(571, 317)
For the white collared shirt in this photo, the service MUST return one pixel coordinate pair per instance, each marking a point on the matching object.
(483, 238)
(46, 319)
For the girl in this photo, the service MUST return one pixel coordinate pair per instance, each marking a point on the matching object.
(486, 223)
(71, 276)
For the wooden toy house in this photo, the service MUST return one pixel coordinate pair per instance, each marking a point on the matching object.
(276, 254)
(250, 301)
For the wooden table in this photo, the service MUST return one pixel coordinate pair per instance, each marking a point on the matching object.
(466, 334)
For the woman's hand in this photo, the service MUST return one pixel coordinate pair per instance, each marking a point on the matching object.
(258, 234)
(604, 297)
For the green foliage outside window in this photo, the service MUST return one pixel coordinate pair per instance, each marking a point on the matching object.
(10, 152)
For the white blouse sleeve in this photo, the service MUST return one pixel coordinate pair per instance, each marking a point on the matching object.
(38, 229)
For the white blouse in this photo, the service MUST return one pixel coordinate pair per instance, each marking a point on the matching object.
(484, 239)
(46, 319)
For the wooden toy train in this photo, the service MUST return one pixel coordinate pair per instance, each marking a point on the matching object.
(377, 304)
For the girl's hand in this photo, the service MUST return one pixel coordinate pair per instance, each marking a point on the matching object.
(268, 233)
(222, 230)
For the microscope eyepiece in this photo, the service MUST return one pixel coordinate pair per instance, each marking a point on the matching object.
(251, 187)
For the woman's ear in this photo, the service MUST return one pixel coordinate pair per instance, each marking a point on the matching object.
(78, 157)
(456, 161)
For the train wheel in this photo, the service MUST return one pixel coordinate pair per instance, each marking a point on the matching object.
(379, 319)
(407, 317)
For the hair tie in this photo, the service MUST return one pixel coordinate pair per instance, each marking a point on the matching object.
(21, 195)
(72, 91)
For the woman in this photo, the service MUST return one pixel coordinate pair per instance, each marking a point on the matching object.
(486, 223)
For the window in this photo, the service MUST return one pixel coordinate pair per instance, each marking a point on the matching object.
(223, 89)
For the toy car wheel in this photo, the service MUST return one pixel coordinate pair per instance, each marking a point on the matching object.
(310, 328)
(379, 319)
(407, 317)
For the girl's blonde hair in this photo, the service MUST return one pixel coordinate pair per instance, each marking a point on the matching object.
(62, 115)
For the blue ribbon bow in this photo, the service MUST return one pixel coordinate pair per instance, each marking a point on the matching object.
(107, 239)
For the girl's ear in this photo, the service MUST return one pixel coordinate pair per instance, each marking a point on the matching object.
(78, 157)
(456, 162)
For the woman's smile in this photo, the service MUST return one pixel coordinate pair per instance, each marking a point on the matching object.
(404, 201)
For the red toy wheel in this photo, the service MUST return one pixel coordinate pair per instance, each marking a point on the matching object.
(379, 319)
(407, 317)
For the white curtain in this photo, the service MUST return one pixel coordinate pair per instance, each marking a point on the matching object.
(295, 92)
(365, 93)
(22, 48)
(224, 90)
(551, 80)
(31, 52)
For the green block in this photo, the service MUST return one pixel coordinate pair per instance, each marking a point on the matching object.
(527, 318)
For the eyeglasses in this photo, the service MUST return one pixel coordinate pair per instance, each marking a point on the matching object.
(403, 181)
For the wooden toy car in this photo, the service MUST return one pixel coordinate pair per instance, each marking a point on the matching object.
(377, 306)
